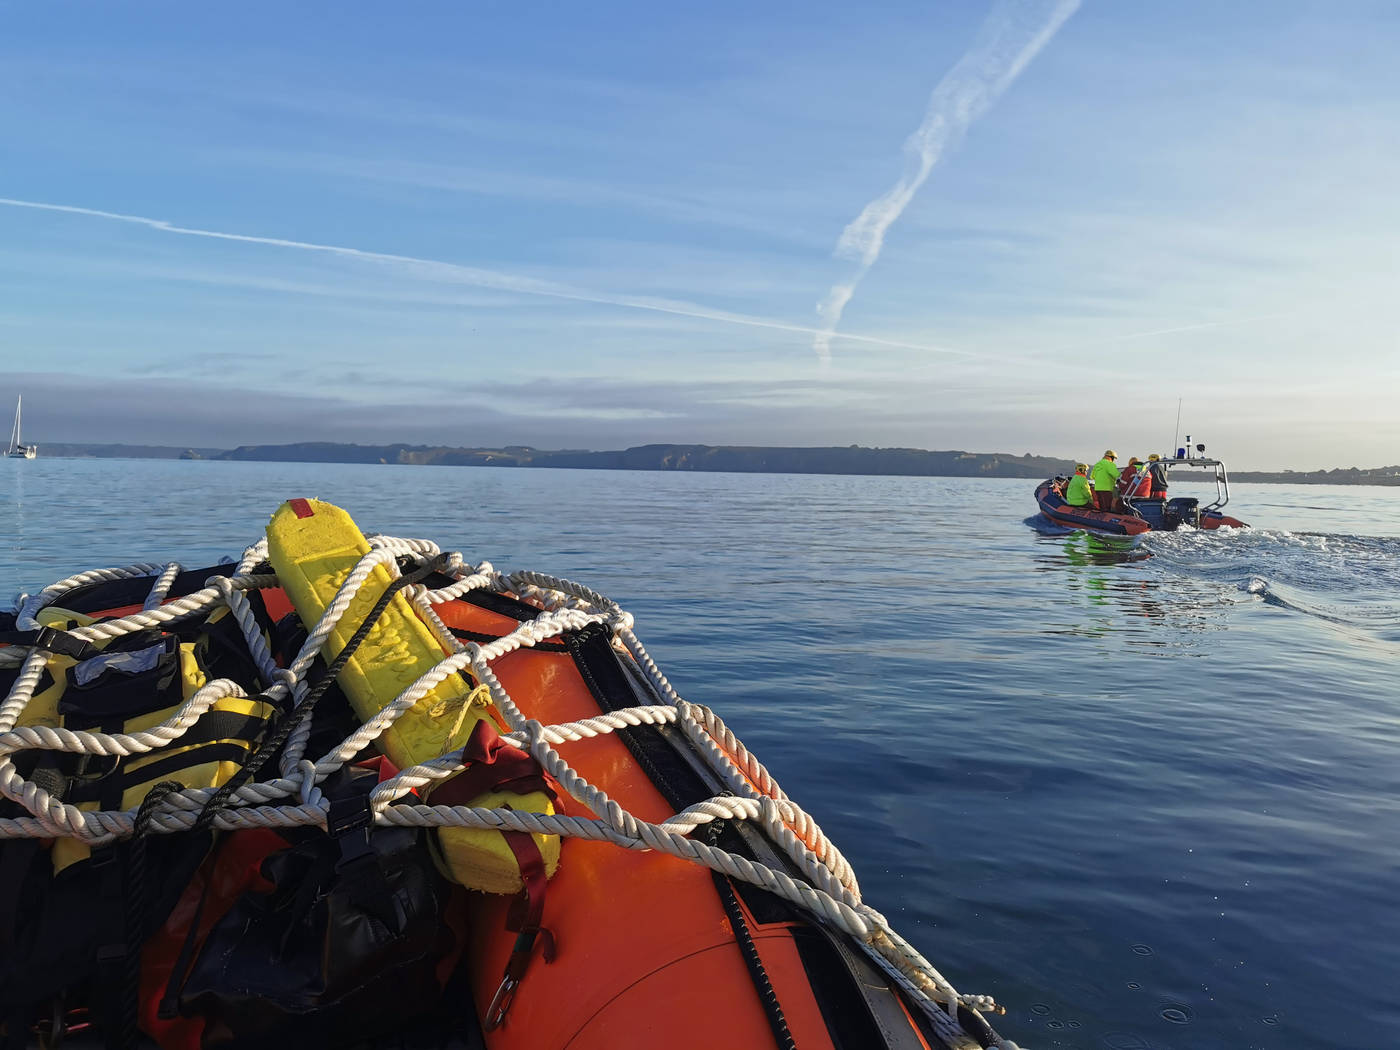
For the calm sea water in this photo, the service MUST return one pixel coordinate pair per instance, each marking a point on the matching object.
(1147, 794)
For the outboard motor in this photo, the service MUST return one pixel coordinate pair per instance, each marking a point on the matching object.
(1183, 510)
(1152, 511)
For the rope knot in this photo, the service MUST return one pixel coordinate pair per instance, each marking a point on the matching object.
(309, 793)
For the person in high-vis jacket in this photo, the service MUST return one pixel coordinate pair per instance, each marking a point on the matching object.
(1104, 475)
(1079, 493)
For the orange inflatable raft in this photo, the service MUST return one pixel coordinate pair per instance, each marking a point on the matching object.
(660, 890)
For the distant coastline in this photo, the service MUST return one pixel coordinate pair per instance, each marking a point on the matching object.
(851, 459)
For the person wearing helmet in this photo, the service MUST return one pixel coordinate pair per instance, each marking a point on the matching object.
(1127, 480)
(1079, 493)
(1157, 471)
(1104, 475)
(1135, 485)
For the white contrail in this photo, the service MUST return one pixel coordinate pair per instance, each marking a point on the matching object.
(1013, 34)
(504, 282)
(1109, 340)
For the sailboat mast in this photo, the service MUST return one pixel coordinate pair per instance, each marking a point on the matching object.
(14, 435)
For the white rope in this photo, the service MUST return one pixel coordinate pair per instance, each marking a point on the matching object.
(827, 889)
(162, 586)
(25, 613)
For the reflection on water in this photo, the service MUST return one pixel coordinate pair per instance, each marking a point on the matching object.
(12, 510)
(1086, 548)
(1194, 577)
(1155, 606)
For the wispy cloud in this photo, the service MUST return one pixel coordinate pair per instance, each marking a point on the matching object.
(1013, 34)
(1110, 340)
(782, 218)
(433, 269)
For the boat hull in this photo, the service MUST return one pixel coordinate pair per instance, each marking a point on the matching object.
(633, 934)
(1213, 519)
(1054, 507)
(1153, 516)
(17, 448)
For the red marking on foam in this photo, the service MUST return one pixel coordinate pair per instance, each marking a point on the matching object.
(302, 509)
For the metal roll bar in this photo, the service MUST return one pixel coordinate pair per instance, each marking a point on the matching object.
(1222, 479)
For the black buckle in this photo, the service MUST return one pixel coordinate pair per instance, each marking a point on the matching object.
(56, 641)
(51, 640)
(348, 821)
(348, 813)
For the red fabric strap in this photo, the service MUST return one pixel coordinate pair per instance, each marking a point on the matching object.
(527, 910)
(492, 765)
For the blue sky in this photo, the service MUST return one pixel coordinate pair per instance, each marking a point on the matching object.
(594, 226)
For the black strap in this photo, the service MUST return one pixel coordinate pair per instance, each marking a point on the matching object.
(767, 995)
(654, 747)
(220, 799)
(17, 856)
(222, 651)
(220, 725)
(133, 590)
(491, 601)
(108, 867)
(109, 795)
(483, 638)
(51, 640)
(843, 997)
(349, 821)
(122, 780)
(136, 913)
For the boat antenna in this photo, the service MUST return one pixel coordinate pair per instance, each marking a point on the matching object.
(1177, 432)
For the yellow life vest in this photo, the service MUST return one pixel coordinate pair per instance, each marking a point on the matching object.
(126, 691)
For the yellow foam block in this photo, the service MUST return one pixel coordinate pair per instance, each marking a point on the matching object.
(313, 546)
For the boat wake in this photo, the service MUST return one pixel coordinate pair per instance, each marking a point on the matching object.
(1374, 616)
(1340, 579)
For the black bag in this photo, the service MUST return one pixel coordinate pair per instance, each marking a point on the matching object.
(346, 945)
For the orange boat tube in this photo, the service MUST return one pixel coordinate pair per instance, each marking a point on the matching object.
(629, 874)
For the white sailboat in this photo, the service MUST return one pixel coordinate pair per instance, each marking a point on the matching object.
(17, 448)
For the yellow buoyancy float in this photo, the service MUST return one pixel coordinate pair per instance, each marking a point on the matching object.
(313, 546)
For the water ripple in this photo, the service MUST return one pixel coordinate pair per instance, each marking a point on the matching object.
(1095, 776)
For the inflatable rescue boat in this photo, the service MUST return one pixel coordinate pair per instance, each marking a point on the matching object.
(1144, 515)
(355, 791)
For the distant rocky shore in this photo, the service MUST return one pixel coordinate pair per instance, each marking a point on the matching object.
(851, 459)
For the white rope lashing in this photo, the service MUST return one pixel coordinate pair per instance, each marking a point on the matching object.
(830, 891)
